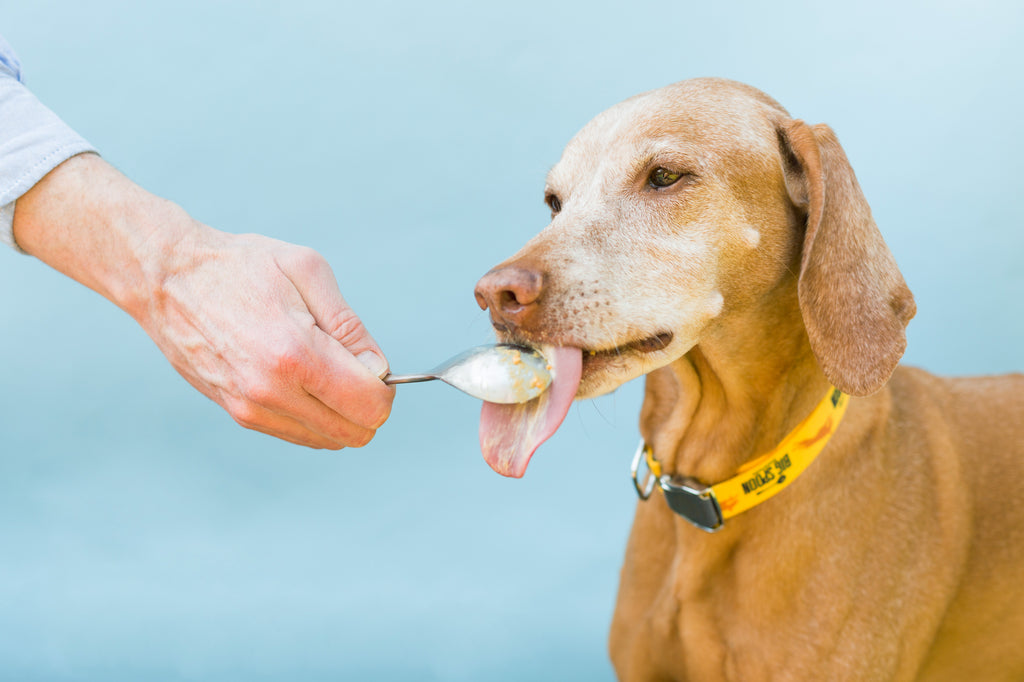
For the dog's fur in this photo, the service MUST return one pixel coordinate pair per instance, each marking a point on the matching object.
(742, 290)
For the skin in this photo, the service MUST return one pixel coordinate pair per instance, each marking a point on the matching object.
(896, 555)
(255, 324)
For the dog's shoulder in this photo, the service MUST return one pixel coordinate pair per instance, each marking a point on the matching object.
(1001, 392)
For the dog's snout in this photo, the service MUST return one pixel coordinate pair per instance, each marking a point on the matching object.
(511, 293)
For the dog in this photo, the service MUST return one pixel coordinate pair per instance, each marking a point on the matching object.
(704, 238)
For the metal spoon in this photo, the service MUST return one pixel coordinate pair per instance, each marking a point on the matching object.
(496, 374)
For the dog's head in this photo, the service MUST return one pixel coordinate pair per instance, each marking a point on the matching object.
(677, 210)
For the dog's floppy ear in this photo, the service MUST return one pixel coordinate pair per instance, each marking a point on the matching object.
(854, 301)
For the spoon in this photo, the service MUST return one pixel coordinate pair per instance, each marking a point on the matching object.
(496, 374)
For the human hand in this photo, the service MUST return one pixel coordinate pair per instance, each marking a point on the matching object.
(260, 327)
(255, 324)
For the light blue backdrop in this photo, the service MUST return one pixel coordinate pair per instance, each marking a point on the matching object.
(143, 535)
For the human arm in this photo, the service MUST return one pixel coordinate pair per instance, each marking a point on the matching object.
(255, 324)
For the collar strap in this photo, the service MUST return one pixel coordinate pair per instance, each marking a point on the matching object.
(707, 507)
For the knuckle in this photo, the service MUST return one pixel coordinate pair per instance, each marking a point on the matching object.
(344, 433)
(345, 328)
(284, 363)
(260, 390)
(306, 259)
(361, 438)
(245, 414)
(288, 355)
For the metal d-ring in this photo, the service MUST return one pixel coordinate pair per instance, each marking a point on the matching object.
(650, 480)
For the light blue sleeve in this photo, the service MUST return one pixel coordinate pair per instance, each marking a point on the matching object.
(33, 140)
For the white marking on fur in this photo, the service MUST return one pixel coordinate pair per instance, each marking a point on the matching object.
(751, 236)
(715, 303)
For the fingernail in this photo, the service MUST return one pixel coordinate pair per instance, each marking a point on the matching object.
(373, 362)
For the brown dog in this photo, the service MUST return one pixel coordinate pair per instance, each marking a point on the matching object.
(701, 236)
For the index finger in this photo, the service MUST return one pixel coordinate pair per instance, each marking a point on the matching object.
(341, 382)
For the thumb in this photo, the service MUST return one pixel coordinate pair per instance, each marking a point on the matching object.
(351, 333)
(315, 282)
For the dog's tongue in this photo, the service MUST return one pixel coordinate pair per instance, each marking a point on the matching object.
(510, 434)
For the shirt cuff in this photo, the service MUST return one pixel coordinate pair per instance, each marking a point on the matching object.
(33, 141)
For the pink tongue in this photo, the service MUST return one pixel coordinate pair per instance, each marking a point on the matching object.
(510, 434)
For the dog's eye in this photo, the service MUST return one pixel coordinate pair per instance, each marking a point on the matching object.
(554, 203)
(663, 177)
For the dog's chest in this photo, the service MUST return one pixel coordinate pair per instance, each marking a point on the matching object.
(720, 614)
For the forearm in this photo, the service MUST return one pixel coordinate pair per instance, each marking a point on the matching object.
(88, 221)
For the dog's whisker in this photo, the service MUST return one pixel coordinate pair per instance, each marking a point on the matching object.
(597, 408)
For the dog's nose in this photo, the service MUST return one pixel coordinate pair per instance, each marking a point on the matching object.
(511, 293)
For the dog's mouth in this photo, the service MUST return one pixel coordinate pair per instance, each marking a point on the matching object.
(510, 434)
(593, 360)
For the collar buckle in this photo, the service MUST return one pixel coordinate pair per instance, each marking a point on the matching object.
(687, 497)
(644, 454)
(694, 501)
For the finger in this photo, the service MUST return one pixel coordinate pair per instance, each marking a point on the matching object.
(340, 381)
(318, 428)
(346, 372)
(316, 283)
(310, 379)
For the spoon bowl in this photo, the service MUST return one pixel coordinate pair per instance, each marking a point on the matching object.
(501, 373)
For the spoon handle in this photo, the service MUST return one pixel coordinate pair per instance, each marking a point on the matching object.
(407, 378)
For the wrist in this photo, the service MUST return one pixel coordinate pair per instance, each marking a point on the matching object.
(162, 242)
(91, 223)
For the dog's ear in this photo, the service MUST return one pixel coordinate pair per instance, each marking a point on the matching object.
(854, 301)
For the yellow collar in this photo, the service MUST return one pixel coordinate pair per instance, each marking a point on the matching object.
(707, 507)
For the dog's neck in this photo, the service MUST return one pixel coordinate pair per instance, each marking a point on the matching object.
(734, 396)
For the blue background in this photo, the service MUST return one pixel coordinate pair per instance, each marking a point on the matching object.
(143, 535)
